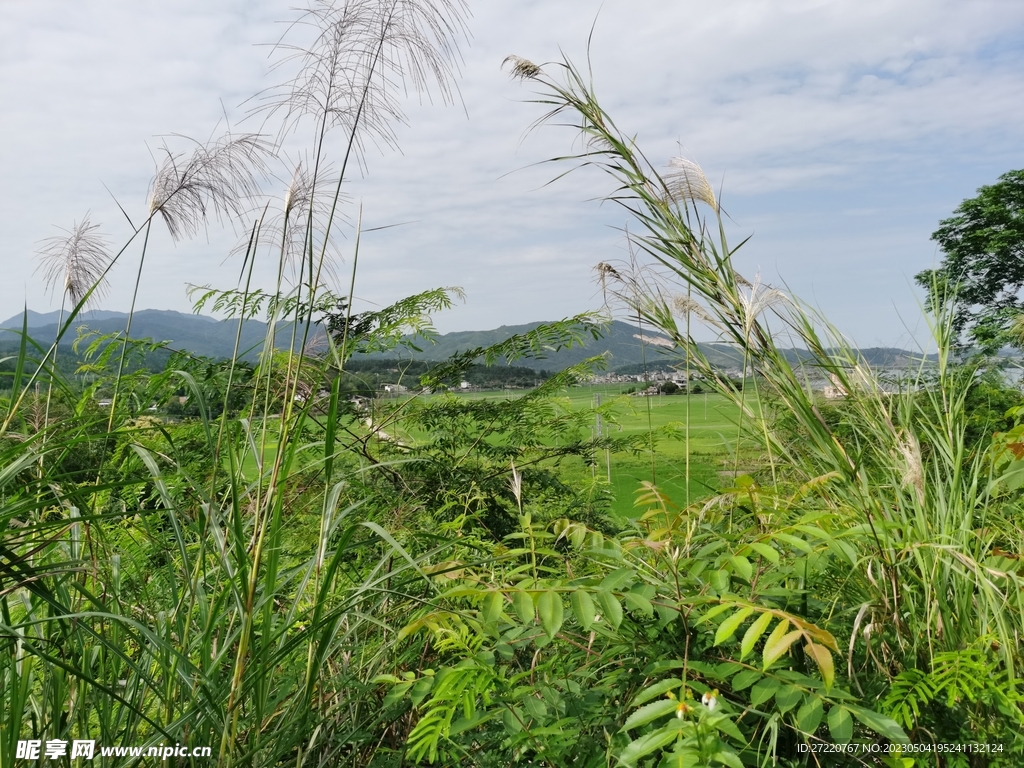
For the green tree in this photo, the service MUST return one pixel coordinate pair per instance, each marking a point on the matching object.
(982, 270)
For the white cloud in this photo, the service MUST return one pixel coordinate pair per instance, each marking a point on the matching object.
(806, 110)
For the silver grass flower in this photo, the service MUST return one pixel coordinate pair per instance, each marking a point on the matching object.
(686, 181)
(909, 451)
(286, 232)
(523, 69)
(684, 305)
(361, 57)
(216, 178)
(757, 300)
(76, 261)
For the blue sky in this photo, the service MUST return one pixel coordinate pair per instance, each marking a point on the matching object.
(840, 133)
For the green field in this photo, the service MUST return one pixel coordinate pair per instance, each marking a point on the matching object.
(712, 440)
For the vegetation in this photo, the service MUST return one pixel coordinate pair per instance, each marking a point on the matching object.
(982, 246)
(291, 576)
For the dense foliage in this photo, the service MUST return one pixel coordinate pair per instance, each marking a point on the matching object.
(292, 575)
(982, 268)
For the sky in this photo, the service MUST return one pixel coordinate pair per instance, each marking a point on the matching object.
(837, 134)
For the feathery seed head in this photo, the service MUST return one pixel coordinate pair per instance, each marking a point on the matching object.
(76, 261)
(913, 470)
(359, 57)
(757, 300)
(217, 177)
(686, 181)
(684, 305)
(523, 69)
(286, 231)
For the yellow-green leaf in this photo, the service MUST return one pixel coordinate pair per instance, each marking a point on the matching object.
(728, 627)
(823, 658)
(753, 634)
(778, 643)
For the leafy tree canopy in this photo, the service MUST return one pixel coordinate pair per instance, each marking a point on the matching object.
(983, 264)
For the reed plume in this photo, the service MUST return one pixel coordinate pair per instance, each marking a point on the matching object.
(363, 56)
(686, 182)
(77, 262)
(216, 178)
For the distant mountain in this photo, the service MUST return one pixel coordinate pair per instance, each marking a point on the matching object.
(619, 343)
(198, 334)
(209, 337)
(42, 319)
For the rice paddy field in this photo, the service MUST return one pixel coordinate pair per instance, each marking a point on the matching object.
(707, 422)
(711, 434)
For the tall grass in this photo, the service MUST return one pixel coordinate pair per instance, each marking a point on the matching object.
(913, 506)
(150, 592)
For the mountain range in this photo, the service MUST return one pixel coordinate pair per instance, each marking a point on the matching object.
(210, 337)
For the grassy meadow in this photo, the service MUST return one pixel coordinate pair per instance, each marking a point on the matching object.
(699, 441)
(706, 452)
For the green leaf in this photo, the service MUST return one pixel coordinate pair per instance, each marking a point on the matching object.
(647, 744)
(710, 614)
(753, 634)
(808, 717)
(778, 643)
(679, 758)
(396, 694)
(522, 601)
(658, 689)
(880, 724)
(611, 607)
(420, 690)
(742, 567)
(728, 758)
(535, 707)
(725, 724)
(638, 602)
(763, 691)
(728, 627)
(583, 608)
(549, 607)
(794, 541)
(617, 578)
(492, 605)
(719, 581)
(649, 713)
(766, 551)
(787, 697)
(745, 679)
(511, 722)
(840, 725)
